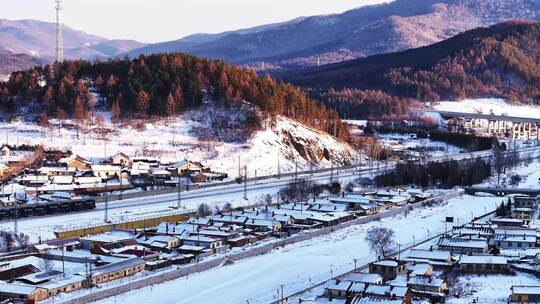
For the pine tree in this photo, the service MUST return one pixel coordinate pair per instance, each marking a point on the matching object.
(178, 97)
(79, 113)
(143, 103)
(171, 105)
(116, 110)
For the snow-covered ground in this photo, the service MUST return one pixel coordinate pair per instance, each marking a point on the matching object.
(529, 173)
(256, 279)
(405, 142)
(173, 140)
(494, 106)
(490, 288)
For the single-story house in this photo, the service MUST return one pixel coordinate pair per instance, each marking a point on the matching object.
(523, 294)
(463, 245)
(105, 171)
(76, 161)
(483, 264)
(436, 258)
(526, 201)
(121, 159)
(4, 170)
(117, 270)
(24, 292)
(388, 269)
(427, 285)
(337, 289)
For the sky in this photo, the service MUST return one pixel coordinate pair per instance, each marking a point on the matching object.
(164, 20)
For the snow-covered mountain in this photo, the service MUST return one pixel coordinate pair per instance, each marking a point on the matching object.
(395, 26)
(38, 38)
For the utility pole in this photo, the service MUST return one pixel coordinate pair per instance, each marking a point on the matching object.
(295, 170)
(245, 183)
(331, 170)
(106, 204)
(179, 203)
(278, 168)
(239, 170)
(59, 32)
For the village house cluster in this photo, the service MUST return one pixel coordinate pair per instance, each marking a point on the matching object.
(505, 244)
(66, 265)
(60, 176)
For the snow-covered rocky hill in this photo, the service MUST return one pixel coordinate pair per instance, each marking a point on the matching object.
(282, 143)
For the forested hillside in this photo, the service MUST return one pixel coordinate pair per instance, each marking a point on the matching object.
(499, 61)
(158, 85)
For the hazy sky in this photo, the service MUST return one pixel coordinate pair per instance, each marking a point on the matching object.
(160, 20)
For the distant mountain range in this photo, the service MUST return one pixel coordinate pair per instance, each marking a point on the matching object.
(299, 43)
(502, 60)
(38, 39)
(11, 62)
(391, 27)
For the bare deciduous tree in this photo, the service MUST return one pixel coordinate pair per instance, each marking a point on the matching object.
(227, 207)
(204, 210)
(381, 240)
(22, 239)
(297, 191)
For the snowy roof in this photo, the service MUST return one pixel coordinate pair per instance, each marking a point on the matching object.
(88, 180)
(40, 277)
(323, 300)
(338, 285)
(68, 179)
(106, 238)
(517, 238)
(261, 222)
(21, 289)
(191, 248)
(375, 299)
(120, 265)
(506, 220)
(328, 207)
(105, 168)
(517, 289)
(347, 199)
(63, 281)
(371, 278)
(200, 238)
(229, 219)
(425, 281)
(436, 255)
(482, 259)
(386, 290)
(357, 287)
(463, 243)
(388, 263)
(419, 268)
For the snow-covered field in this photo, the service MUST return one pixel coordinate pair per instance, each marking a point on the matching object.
(404, 142)
(490, 288)
(256, 279)
(530, 176)
(494, 106)
(173, 140)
